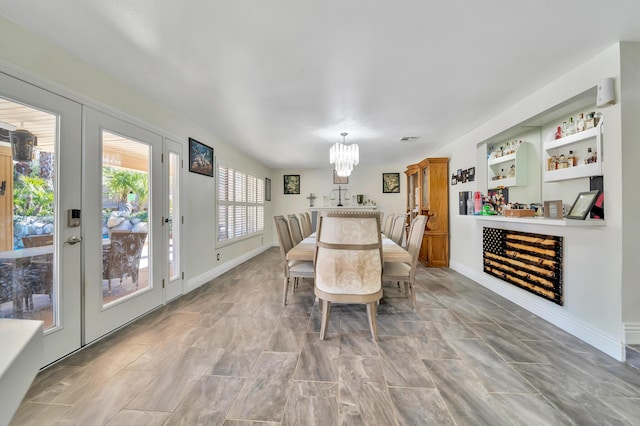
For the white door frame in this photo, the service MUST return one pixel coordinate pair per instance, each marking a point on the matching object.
(175, 286)
(66, 337)
(99, 320)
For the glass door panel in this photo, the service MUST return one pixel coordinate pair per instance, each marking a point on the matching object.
(125, 215)
(40, 171)
(173, 222)
(27, 232)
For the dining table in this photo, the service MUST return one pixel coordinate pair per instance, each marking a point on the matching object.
(391, 252)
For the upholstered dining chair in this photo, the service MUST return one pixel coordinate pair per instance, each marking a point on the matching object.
(294, 228)
(295, 269)
(305, 224)
(122, 256)
(348, 264)
(397, 230)
(388, 224)
(406, 272)
(308, 217)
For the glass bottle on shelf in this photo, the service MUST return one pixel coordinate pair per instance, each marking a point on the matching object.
(564, 128)
(571, 127)
(562, 162)
(558, 134)
(580, 125)
(571, 159)
(512, 171)
(588, 159)
(502, 174)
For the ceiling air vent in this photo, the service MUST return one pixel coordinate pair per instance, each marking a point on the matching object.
(409, 139)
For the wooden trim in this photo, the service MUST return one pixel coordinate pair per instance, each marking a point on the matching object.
(6, 200)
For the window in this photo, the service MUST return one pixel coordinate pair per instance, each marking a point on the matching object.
(240, 204)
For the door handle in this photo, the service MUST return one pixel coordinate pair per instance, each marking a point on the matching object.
(73, 240)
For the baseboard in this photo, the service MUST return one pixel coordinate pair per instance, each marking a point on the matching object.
(544, 310)
(631, 333)
(204, 278)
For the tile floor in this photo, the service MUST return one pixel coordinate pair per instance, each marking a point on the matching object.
(230, 353)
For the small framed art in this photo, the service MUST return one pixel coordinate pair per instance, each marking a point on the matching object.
(267, 189)
(583, 204)
(292, 184)
(390, 183)
(200, 158)
(340, 180)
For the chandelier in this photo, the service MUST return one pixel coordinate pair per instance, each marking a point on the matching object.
(344, 156)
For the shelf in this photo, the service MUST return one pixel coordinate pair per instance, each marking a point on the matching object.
(576, 137)
(503, 159)
(544, 221)
(584, 170)
(517, 159)
(493, 184)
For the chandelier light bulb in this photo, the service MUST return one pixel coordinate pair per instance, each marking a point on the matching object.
(344, 156)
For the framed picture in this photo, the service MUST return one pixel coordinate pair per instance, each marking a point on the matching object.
(390, 183)
(267, 189)
(583, 204)
(471, 174)
(339, 180)
(291, 184)
(200, 158)
(553, 209)
(454, 179)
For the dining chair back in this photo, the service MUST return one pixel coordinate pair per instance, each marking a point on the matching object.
(291, 268)
(308, 217)
(348, 264)
(388, 224)
(397, 230)
(406, 272)
(294, 228)
(305, 224)
(39, 270)
(122, 257)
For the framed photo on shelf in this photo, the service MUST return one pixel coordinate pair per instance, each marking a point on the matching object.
(267, 189)
(390, 183)
(583, 204)
(200, 158)
(339, 180)
(292, 184)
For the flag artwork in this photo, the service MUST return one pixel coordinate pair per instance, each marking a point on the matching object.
(530, 261)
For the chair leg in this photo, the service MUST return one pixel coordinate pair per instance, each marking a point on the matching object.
(413, 295)
(371, 315)
(285, 290)
(325, 318)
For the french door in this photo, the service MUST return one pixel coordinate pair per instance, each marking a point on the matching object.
(123, 235)
(40, 188)
(173, 219)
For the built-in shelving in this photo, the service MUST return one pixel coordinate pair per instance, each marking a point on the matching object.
(517, 159)
(578, 142)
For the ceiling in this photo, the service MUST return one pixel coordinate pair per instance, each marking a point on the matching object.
(280, 80)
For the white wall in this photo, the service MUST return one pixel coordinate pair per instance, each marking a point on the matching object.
(27, 56)
(630, 100)
(592, 256)
(366, 180)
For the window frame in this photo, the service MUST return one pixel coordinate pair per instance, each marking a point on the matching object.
(248, 199)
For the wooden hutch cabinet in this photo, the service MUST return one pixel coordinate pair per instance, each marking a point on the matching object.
(428, 194)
